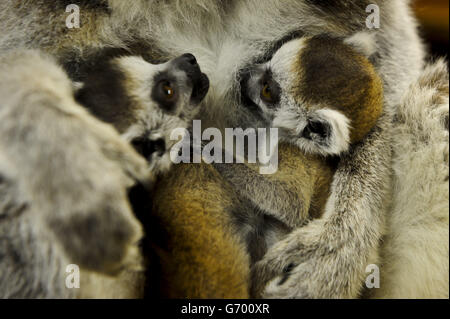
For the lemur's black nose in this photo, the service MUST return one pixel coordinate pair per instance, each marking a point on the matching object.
(188, 63)
(200, 82)
(190, 58)
(147, 147)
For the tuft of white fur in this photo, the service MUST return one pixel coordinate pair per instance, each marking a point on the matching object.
(292, 123)
(339, 140)
(77, 86)
(282, 61)
(364, 42)
(415, 252)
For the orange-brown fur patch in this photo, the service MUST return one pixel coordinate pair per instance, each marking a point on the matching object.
(332, 73)
(308, 175)
(203, 257)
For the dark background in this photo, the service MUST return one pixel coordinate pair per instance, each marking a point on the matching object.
(433, 18)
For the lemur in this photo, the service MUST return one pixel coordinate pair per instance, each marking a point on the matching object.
(320, 92)
(324, 97)
(145, 102)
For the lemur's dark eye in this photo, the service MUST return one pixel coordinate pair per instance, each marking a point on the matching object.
(266, 93)
(270, 89)
(167, 90)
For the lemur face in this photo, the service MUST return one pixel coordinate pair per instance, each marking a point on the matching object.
(145, 101)
(320, 92)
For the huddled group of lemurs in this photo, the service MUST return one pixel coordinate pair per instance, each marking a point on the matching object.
(86, 176)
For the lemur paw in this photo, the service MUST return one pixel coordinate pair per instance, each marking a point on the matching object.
(300, 266)
(90, 212)
(278, 274)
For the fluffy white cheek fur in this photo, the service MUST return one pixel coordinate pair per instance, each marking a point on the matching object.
(293, 123)
(339, 139)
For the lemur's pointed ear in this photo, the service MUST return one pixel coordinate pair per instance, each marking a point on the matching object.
(364, 42)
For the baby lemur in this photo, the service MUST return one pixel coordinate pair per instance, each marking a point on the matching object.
(144, 102)
(320, 92)
(324, 96)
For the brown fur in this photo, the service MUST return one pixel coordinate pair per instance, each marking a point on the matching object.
(331, 72)
(199, 253)
(308, 176)
(202, 257)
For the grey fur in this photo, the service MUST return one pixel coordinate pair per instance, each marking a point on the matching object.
(60, 224)
(344, 241)
(415, 250)
(273, 197)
